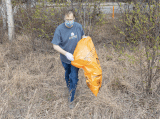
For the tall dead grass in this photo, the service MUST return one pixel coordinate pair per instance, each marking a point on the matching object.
(32, 84)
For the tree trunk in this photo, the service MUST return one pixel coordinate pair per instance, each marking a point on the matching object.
(3, 12)
(10, 20)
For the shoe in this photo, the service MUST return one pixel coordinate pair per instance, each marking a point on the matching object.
(71, 105)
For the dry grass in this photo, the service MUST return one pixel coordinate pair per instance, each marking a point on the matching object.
(32, 84)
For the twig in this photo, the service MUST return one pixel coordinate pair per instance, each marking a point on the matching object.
(29, 108)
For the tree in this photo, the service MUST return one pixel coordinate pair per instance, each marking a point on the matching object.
(141, 30)
(10, 20)
(3, 12)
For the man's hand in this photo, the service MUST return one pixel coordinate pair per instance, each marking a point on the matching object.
(69, 56)
(84, 36)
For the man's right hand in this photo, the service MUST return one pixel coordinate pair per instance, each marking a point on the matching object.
(69, 56)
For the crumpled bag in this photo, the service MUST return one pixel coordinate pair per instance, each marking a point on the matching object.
(85, 57)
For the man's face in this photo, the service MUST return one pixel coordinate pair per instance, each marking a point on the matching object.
(70, 17)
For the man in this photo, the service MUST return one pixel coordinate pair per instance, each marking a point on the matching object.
(64, 41)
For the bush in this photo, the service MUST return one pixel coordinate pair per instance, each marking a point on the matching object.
(42, 20)
(141, 29)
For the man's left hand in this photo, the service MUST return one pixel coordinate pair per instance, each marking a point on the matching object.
(84, 36)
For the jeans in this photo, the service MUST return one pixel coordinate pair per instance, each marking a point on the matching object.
(71, 77)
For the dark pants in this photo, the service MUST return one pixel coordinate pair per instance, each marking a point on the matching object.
(71, 77)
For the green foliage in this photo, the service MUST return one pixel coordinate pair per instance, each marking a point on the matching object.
(42, 20)
(140, 29)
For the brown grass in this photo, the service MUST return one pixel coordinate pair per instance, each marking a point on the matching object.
(32, 84)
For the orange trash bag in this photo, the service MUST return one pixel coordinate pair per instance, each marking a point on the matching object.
(85, 57)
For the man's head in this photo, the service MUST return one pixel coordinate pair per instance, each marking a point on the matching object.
(69, 19)
(69, 15)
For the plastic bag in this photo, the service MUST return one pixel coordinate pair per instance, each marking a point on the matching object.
(85, 57)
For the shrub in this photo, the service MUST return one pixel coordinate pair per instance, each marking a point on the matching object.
(141, 28)
(42, 20)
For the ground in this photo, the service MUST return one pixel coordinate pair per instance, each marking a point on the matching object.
(32, 84)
